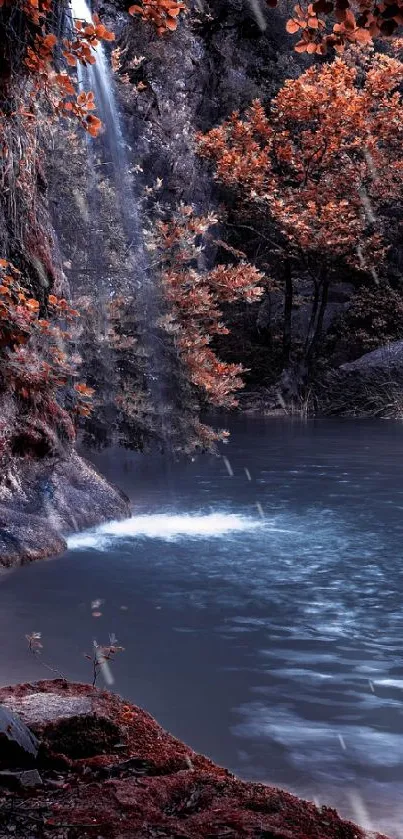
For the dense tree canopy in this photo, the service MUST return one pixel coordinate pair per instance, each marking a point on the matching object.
(323, 166)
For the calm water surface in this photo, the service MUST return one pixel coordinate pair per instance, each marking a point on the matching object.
(261, 611)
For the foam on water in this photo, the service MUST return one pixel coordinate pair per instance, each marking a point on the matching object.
(166, 526)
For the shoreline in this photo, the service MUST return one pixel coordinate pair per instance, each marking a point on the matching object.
(105, 769)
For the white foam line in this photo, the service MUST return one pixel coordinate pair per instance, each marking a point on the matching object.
(164, 526)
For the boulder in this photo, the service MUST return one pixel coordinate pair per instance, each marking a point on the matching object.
(370, 386)
(18, 746)
(389, 357)
(41, 502)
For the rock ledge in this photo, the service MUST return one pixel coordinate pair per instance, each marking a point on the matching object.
(43, 502)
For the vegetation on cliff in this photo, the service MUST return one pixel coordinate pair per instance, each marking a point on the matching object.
(307, 201)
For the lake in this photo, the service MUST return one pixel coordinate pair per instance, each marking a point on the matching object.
(259, 599)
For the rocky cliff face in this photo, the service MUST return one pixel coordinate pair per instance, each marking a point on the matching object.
(46, 490)
(219, 60)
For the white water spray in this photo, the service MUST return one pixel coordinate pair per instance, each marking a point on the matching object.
(164, 526)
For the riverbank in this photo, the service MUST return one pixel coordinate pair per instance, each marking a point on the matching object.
(104, 768)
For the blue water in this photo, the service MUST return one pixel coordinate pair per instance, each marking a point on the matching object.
(259, 601)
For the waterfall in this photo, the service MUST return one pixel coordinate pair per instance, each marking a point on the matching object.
(108, 153)
(98, 78)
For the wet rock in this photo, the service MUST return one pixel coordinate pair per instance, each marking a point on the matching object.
(30, 778)
(26, 537)
(18, 746)
(41, 502)
(389, 357)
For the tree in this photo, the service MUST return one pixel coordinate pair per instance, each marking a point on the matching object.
(324, 167)
(193, 298)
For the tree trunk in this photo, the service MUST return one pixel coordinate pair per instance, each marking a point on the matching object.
(287, 324)
(319, 305)
(319, 322)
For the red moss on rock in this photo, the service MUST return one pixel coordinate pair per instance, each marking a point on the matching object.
(139, 782)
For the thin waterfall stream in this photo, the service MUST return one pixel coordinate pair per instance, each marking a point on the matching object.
(97, 77)
(109, 152)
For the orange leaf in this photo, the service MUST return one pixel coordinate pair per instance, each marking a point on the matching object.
(71, 60)
(363, 36)
(94, 121)
(349, 20)
(50, 40)
(292, 26)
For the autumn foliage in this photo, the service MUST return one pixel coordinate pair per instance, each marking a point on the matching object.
(163, 14)
(193, 299)
(340, 23)
(59, 87)
(38, 363)
(325, 161)
(322, 170)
